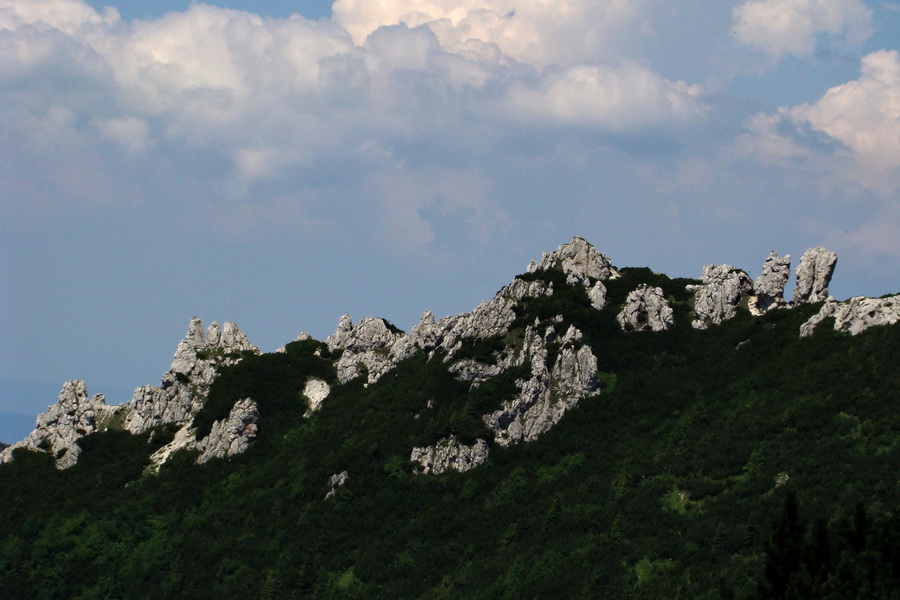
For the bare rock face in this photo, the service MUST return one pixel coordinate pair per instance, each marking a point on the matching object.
(315, 390)
(717, 298)
(646, 308)
(186, 383)
(365, 346)
(56, 431)
(552, 389)
(335, 481)
(378, 352)
(233, 435)
(579, 260)
(814, 274)
(769, 286)
(550, 392)
(449, 454)
(856, 314)
(185, 438)
(597, 295)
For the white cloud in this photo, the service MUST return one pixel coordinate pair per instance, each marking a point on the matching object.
(270, 96)
(539, 32)
(790, 27)
(131, 133)
(864, 114)
(851, 135)
(415, 204)
(69, 16)
(625, 98)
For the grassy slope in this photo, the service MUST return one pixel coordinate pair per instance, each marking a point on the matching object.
(664, 485)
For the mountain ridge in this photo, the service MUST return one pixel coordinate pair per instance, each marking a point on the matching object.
(661, 464)
(373, 346)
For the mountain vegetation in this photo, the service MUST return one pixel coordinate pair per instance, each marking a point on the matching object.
(736, 461)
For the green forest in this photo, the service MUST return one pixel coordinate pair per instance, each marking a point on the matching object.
(741, 461)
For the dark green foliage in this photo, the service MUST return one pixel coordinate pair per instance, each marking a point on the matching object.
(737, 462)
(855, 556)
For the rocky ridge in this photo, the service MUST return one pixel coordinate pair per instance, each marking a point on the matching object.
(74, 416)
(178, 398)
(855, 315)
(562, 370)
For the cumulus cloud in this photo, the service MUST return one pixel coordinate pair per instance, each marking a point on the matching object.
(790, 27)
(850, 135)
(864, 114)
(275, 97)
(540, 32)
(624, 98)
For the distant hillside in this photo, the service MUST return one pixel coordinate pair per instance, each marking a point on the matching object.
(591, 431)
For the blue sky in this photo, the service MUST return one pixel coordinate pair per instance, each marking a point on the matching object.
(279, 164)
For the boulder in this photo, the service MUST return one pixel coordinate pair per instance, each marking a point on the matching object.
(335, 481)
(315, 390)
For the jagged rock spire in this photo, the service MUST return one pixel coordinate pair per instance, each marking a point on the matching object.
(769, 286)
(814, 274)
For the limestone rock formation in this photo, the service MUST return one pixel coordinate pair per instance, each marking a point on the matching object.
(814, 274)
(185, 438)
(579, 260)
(597, 295)
(74, 416)
(233, 435)
(550, 392)
(856, 314)
(769, 286)
(335, 481)
(365, 346)
(370, 345)
(315, 390)
(717, 298)
(186, 383)
(646, 308)
(449, 454)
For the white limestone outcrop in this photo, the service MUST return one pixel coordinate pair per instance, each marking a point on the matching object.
(315, 391)
(335, 481)
(814, 274)
(769, 287)
(579, 260)
(73, 416)
(449, 454)
(550, 392)
(646, 307)
(185, 385)
(716, 299)
(856, 314)
(233, 435)
(365, 347)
